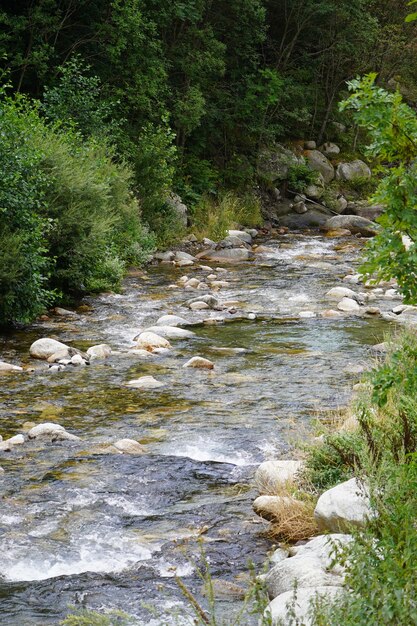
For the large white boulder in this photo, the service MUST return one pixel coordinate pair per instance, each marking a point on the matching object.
(324, 547)
(274, 473)
(343, 506)
(295, 607)
(149, 341)
(46, 347)
(304, 571)
(352, 170)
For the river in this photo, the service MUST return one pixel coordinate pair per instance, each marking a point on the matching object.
(105, 530)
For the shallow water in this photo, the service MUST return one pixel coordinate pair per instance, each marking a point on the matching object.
(100, 530)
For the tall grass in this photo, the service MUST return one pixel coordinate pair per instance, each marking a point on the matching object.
(212, 217)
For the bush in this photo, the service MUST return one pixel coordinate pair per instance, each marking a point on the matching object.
(300, 176)
(84, 617)
(381, 562)
(70, 222)
(214, 217)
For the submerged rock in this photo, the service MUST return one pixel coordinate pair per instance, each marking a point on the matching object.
(9, 367)
(129, 446)
(171, 320)
(52, 431)
(170, 332)
(46, 347)
(145, 382)
(199, 362)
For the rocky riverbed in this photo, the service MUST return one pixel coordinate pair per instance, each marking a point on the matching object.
(93, 520)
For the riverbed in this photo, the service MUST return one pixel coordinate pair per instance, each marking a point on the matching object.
(113, 531)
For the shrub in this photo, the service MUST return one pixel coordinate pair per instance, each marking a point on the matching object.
(300, 176)
(85, 617)
(381, 561)
(214, 217)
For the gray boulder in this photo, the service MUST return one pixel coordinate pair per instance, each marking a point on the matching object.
(329, 149)
(227, 255)
(318, 163)
(356, 225)
(274, 163)
(352, 170)
(241, 234)
(170, 332)
(46, 347)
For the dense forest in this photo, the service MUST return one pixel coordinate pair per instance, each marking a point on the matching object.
(108, 106)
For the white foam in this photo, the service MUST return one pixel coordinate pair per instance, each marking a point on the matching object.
(206, 450)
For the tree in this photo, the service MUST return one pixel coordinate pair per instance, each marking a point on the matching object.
(392, 128)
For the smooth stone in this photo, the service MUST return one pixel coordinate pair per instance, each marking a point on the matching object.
(287, 611)
(49, 429)
(348, 305)
(392, 294)
(336, 293)
(171, 320)
(101, 351)
(209, 299)
(218, 284)
(143, 354)
(307, 314)
(145, 382)
(227, 255)
(149, 341)
(16, 440)
(59, 356)
(198, 306)
(184, 263)
(329, 313)
(184, 256)
(304, 571)
(192, 282)
(199, 362)
(9, 367)
(129, 446)
(380, 348)
(343, 506)
(170, 332)
(329, 149)
(56, 368)
(278, 555)
(356, 225)
(164, 256)
(275, 473)
(241, 234)
(64, 312)
(338, 232)
(372, 310)
(77, 359)
(46, 347)
(268, 506)
(324, 547)
(352, 170)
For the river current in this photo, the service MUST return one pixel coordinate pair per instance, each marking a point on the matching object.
(112, 531)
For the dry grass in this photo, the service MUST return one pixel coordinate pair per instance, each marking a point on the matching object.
(294, 520)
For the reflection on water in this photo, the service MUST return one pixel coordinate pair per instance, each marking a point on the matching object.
(78, 527)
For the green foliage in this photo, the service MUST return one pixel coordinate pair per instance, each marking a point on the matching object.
(411, 17)
(300, 176)
(70, 221)
(212, 218)
(381, 563)
(392, 127)
(85, 617)
(77, 98)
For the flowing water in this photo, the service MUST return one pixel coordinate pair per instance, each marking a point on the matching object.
(104, 530)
